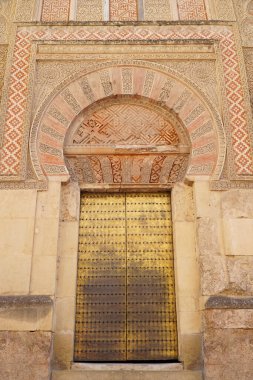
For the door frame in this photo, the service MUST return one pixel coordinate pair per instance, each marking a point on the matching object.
(186, 267)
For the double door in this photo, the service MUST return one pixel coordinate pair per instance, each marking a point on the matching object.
(125, 307)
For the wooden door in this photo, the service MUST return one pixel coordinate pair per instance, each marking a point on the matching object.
(125, 309)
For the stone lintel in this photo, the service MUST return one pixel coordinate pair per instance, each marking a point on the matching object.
(224, 302)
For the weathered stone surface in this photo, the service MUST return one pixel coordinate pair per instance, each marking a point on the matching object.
(70, 202)
(229, 319)
(15, 274)
(238, 237)
(43, 275)
(25, 355)
(214, 278)
(17, 203)
(237, 204)
(207, 202)
(68, 239)
(208, 237)
(191, 349)
(63, 350)
(223, 302)
(185, 247)
(228, 353)
(48, 202)
(26, 313)
(182, 203)
(240, 271)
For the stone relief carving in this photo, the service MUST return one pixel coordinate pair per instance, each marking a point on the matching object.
(244, 13)
(203, 73)
(157, 10)
(248, 55)
(124, 123)
(3, 56)
(49, 74)
(7, 9)
(89, 10)
(25, 10)
(130, 125)
(123, 10)
(128, 170)
(224, 10)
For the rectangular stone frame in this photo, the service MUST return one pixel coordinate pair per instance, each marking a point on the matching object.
(187, 282)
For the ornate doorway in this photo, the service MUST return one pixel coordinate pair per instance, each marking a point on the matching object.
(125, 309)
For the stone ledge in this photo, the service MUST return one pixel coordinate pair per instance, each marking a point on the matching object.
(126, 375)
(9, 301)
(224, 302)
(127, 367)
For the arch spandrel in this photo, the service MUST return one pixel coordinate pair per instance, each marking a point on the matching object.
(137, 79)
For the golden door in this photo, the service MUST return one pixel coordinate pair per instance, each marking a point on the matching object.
(125, 308)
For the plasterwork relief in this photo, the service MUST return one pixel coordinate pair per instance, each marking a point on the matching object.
(244, 13)
(25, 10)
(123, 121)
(241, 150)
(123, 10)
(203, 73)
(55, 10)
(128, 170)
(126, 140)
(145, 82)
(248, 55)
(192, 9)
(89, 10)
(7, 10)
(49, 74)
(197, 64)
(222, 10)
(157, 10)
(3, 56)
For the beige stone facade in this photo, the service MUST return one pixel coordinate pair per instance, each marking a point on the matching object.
(180, 73)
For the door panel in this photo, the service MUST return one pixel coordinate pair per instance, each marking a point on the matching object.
(150, 278)
(125, 289)
(100, 333)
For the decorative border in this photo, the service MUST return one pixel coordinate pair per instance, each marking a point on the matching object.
(13, 142)
(155, 82)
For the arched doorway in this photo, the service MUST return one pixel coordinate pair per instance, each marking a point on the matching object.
(196, 143)
(126, 305)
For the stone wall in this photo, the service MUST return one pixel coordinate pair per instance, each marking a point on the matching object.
(228, 337)
(225, 243)
(29, 241)
(25, 337)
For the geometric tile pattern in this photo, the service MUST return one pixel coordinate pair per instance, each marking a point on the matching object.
(55, 10)
(191, 10)
(13, 141)
(125, 124)
(123, 10)
(18, 92)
